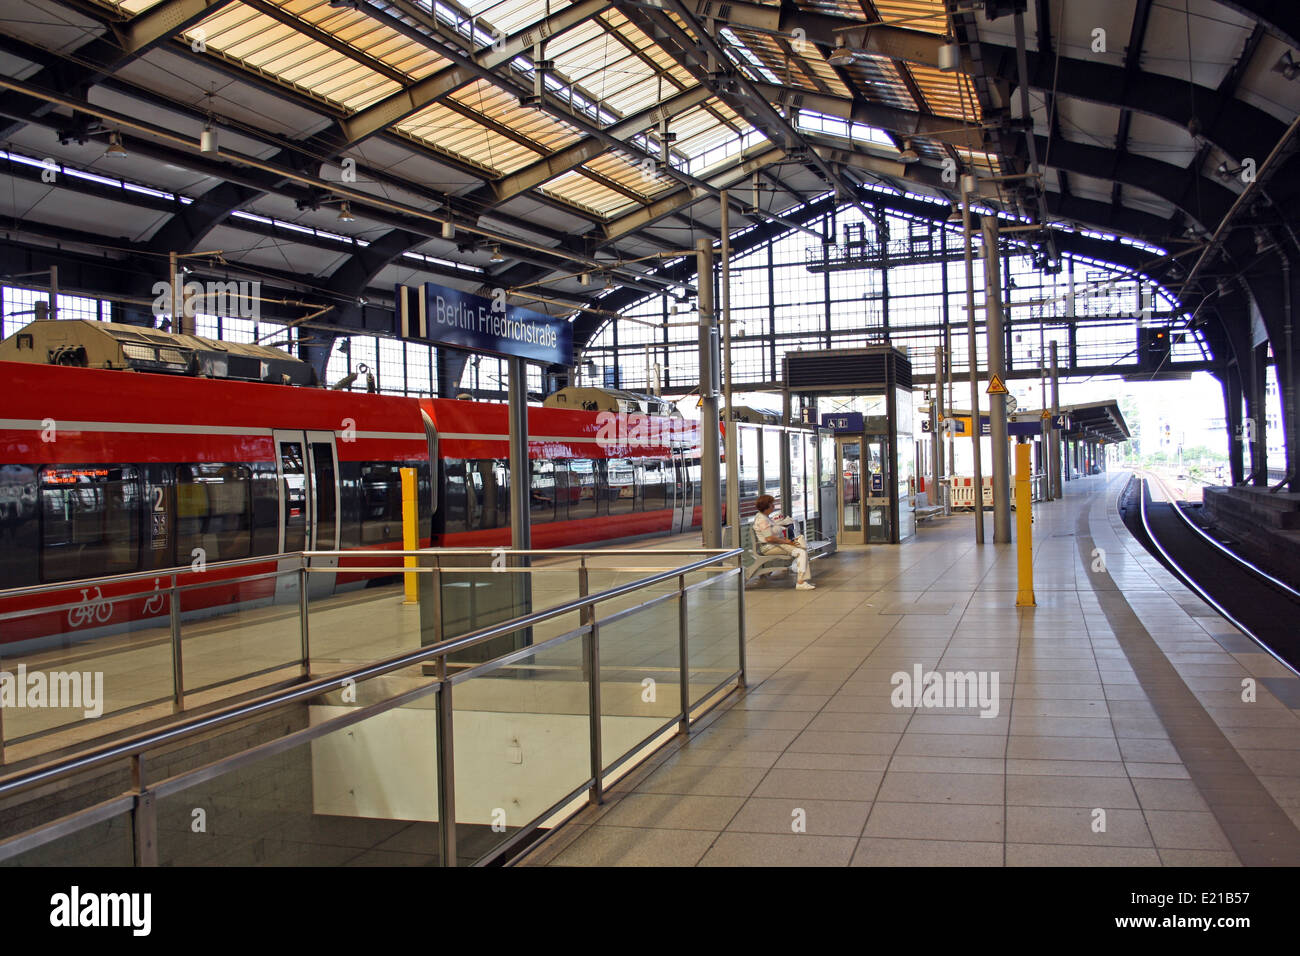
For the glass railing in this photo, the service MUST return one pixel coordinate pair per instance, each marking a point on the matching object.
(448, 730)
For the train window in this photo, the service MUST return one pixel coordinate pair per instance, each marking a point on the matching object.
(214, 511)
(488, 494)
(622, 486)
(542, 492)
(90, 521)
(650, 479)
(294, 477)
(582, 488)
(561, 490)
(454, 518)
(381, 502)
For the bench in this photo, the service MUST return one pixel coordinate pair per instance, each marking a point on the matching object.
(922, 510)
(756, 563)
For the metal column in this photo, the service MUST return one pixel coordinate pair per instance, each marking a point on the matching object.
(968, 185)
(936, 423)
(733, 472)
(520, 471)
(1054, 433)
(997, 402)
(710, 473)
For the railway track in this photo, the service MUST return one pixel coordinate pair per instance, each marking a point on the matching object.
(1261, 606)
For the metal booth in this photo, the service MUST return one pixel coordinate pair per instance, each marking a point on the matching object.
(869, 391)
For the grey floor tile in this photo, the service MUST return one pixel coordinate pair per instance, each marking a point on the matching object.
(794, 760)
(1171, 857)
(554, 845)
(1074, 826)
(880, 851)
(635, 846)
(1066, 768)
(1064, 748)
(766, 849)
(1045, 790)
(704, 780)
(834, 742)
(958, 745)
(1156, 794)
(936, 821)
(967, 788)
(818, 817)
(672, 811)
(1186, 830)
(1039, 854)
(820, 784)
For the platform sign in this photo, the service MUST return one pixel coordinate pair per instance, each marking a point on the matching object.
(441, 316)
(1028, 429)
(842, 421)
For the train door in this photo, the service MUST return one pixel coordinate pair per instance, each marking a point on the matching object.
(308, 474)
(683, 494)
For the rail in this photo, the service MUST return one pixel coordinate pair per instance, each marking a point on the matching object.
(706, 665)
(1186, 578)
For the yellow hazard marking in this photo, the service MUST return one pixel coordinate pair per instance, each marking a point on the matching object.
(996, 387)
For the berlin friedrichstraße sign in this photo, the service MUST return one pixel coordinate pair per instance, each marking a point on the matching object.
(441, 316)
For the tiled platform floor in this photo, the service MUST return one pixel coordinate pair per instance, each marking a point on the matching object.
(1121, 736)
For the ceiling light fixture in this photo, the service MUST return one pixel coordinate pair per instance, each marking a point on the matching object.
(1287, 66)
(449, 230)
(496, 255)
(950, 57)
(954, 215)
(115, 147)
(584, 279)
(841, 55)
(345, 213)
(208, 138)
(907, 154)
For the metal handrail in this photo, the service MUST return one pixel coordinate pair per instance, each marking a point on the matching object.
(136, 745)
(30, 589)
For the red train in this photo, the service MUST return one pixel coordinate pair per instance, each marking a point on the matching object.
(110, 472)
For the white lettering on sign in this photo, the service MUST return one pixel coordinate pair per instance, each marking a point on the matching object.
(484, 321)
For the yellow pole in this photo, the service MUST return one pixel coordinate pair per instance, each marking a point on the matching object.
(410, 533)
(1024, 530)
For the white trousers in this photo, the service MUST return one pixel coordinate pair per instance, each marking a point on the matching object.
(796, 549)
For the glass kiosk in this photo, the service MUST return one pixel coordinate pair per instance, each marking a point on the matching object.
(874, 464)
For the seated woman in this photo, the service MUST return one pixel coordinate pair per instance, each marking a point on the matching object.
(769, 540)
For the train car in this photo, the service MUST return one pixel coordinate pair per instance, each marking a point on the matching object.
(110, 472)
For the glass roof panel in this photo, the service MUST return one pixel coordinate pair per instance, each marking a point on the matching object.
(262, 43)
(927, 15)
(582, 191)
(878, 80)
(948, 94)
(367, 35)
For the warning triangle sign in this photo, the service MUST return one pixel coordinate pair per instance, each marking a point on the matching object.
(996, 387)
